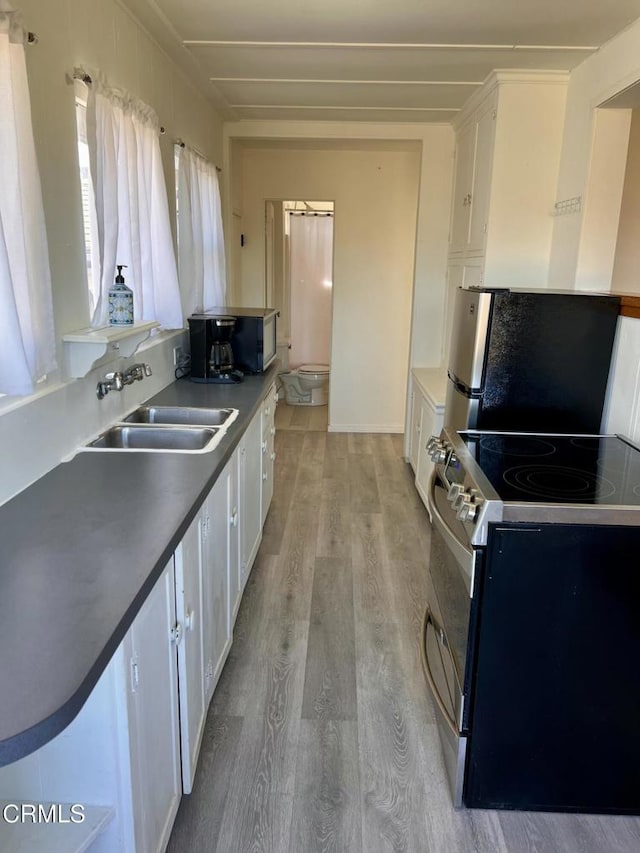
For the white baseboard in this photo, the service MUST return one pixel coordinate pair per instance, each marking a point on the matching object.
(382, 428)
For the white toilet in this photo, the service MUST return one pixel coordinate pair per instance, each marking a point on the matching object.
(307, 385)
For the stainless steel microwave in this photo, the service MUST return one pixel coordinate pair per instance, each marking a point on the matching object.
(254, 337)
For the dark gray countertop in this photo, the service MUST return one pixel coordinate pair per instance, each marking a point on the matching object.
(81, 549)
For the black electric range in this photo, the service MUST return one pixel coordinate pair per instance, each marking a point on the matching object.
(528, 477)
(534, 610)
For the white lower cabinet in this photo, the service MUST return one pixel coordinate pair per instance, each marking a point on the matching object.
(249, 485)
(427, 391)
(154, 736)
(268, 449)
(118, 762)
(430, 424)
(414, 426)
(191, 617)
(219, 575)
(133, 748)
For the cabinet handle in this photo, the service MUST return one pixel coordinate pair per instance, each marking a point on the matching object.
(190, 621)
(272, 430)
(233, 521)
(273, 456)
(264, 475)
(264, 446)
(135, 675)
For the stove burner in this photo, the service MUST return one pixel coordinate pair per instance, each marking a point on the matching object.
(558, 483)
(516, 445)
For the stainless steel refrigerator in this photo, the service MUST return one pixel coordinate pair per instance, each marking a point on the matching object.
(533, 361)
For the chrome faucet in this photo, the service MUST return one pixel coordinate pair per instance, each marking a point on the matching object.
(136, 372)
(111, 382)
(115, 381)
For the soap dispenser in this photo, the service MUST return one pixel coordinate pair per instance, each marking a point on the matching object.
(120, 301)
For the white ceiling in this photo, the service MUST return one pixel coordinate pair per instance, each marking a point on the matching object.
(371, 60)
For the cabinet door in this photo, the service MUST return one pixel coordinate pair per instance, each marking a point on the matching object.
(234, 539)
(249, 485)
(431, 424)
(455, 279)
(216, 582)
(153, 708)
(414, 447)
(191, 663)
(463, 187)
(268, 450)
(479, 207)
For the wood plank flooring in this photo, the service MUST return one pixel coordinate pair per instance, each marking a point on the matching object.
(321, 735)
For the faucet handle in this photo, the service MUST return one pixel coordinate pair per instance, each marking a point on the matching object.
(114, 379)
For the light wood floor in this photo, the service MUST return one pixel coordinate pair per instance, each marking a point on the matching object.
(321, 735)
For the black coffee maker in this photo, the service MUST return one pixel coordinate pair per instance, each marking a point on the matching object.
(211, 353)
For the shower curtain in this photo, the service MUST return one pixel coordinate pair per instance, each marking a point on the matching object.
(311, 261)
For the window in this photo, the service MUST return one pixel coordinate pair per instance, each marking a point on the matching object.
(91, 242)
(201, 257)
(27, 339)
(118, 139)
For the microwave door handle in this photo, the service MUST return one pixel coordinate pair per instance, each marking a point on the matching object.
(428, 620)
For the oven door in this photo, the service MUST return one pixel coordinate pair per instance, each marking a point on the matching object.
(446, 627)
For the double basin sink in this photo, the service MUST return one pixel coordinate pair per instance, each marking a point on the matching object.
(177, 429)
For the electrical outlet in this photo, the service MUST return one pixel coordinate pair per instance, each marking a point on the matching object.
(178, 356)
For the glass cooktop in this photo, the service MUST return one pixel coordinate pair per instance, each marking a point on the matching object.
(558, 468)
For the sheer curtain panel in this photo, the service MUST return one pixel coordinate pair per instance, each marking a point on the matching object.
(201, 259)
(131, 205)
(27, 339)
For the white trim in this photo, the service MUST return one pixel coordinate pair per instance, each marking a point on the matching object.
(377, 428)
(349, 108)
(396, 46)
(346, 81)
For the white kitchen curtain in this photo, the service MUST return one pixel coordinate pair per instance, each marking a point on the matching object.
(27, 339)
(201, 259)
(131, 205)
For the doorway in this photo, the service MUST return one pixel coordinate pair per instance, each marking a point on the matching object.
(299, 277)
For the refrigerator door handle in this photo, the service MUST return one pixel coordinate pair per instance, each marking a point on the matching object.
(473, 393)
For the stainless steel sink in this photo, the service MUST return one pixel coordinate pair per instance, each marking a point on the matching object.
(186, 415)
(186, 439)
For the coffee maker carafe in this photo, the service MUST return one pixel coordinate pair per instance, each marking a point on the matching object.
(211, 352)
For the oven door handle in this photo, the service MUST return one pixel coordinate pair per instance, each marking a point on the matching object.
(464, 556)
(429, 620)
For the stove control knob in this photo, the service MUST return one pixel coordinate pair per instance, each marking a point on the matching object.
(467, 509)
(439, 453)
(455, 489)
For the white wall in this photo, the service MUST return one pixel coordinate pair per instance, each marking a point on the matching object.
(587, 149)
(378, 255)
(375, 190)
(592, 165)
(627, 257)
(102, 35)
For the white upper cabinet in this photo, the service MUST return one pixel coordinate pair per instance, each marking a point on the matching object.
(463, 188)
(508, 141)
